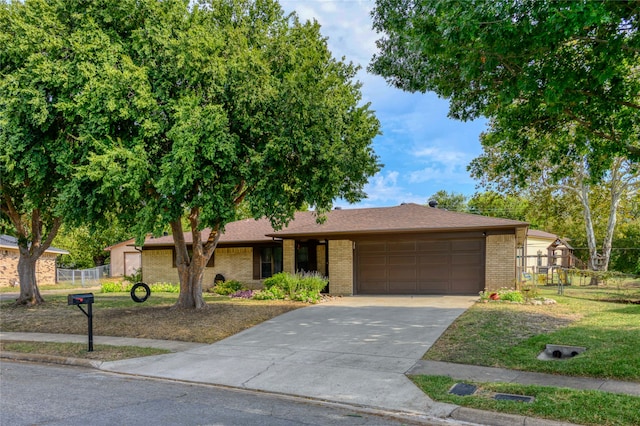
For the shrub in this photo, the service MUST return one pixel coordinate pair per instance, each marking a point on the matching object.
(115, 287)
(228, 287)
(136, 277)
(304, 287)
(165, 287)
(511, 295)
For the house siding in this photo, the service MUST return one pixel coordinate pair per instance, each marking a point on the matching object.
(45, 268)
(500, 270)
(124, 259)
(341, 267)
(234, 263)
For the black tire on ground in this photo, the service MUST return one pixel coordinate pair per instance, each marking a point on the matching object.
(135, 297)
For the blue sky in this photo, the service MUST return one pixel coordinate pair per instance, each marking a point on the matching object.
(422, 150)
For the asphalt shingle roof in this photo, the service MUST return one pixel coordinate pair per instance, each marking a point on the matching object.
(398, 219)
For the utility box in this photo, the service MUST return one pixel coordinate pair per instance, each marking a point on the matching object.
(80, 299)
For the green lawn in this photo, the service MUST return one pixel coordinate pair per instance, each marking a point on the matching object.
(508, 335)
(501, 334)
(561, 404)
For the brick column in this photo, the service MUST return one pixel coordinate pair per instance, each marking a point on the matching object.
(341, 267)
(289, 256)
(500, 263)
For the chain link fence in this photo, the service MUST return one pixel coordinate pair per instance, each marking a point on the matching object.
(83, 277)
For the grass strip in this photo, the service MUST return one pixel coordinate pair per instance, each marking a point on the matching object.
(79, 350)
(585, 407)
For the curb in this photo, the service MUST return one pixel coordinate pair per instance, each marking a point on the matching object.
(50, 359)
(473, 415)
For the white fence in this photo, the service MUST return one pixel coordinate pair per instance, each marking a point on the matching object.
(84, 277)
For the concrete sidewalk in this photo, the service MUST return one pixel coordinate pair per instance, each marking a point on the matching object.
(481, 374)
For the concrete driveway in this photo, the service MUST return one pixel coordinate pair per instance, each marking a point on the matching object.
(352, 350)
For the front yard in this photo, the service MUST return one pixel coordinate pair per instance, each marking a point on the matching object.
(115, 314)
(509, 335)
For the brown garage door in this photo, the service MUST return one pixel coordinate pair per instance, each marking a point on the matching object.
(453, 266)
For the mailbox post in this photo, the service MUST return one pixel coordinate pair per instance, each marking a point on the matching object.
(84, 299)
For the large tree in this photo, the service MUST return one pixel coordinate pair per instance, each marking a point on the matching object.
(526, 65)
(559, 81)
(241, 103)
(47, 68)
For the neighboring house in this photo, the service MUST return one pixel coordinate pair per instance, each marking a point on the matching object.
(9, 256)
(544, 250)
(406, 249)
(126, 259)
(537, 244)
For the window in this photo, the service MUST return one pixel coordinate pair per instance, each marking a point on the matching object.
(267, 261)
(270, 261)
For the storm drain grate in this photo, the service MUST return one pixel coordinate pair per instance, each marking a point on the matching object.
(509, 397)
(463, 389)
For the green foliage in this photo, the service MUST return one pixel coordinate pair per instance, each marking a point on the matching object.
(86, 244)
(116, 287)
(304, 287)
(450, 201)
(504, 294)
(273, 293)
(182, 109)
(228, 287)
(125, 287)
(165, 288)
(136, 277)
(547, 69)
(585, 407)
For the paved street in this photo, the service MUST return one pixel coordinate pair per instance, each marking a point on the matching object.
(63, 395)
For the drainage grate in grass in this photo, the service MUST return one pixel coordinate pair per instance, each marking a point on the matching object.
(463, 389)
(553, 352)
(509, 397)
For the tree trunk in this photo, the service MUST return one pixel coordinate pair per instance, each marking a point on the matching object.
(191, 268)
(31, 245)
(29, 292)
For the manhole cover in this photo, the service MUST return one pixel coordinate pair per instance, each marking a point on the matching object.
(462, 389)
(509, 397)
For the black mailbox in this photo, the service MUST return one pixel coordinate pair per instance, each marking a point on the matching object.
(84, 299)
(80, 299)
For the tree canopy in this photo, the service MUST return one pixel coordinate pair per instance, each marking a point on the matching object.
(221, 102)
(539, 70)
(50, 61)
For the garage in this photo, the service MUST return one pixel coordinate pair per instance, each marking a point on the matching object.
(420, 265)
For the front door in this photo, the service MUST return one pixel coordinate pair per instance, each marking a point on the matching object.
(307, 256)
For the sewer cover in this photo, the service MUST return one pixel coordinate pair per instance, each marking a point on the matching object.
(463, 389)
(509, 397)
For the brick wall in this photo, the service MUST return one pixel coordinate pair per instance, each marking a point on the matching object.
(45, 268)
(289, 256)
(341, 267)
(500, 270)
(233, 263)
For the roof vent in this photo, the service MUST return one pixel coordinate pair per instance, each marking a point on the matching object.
(433, 203)
(337, 208)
